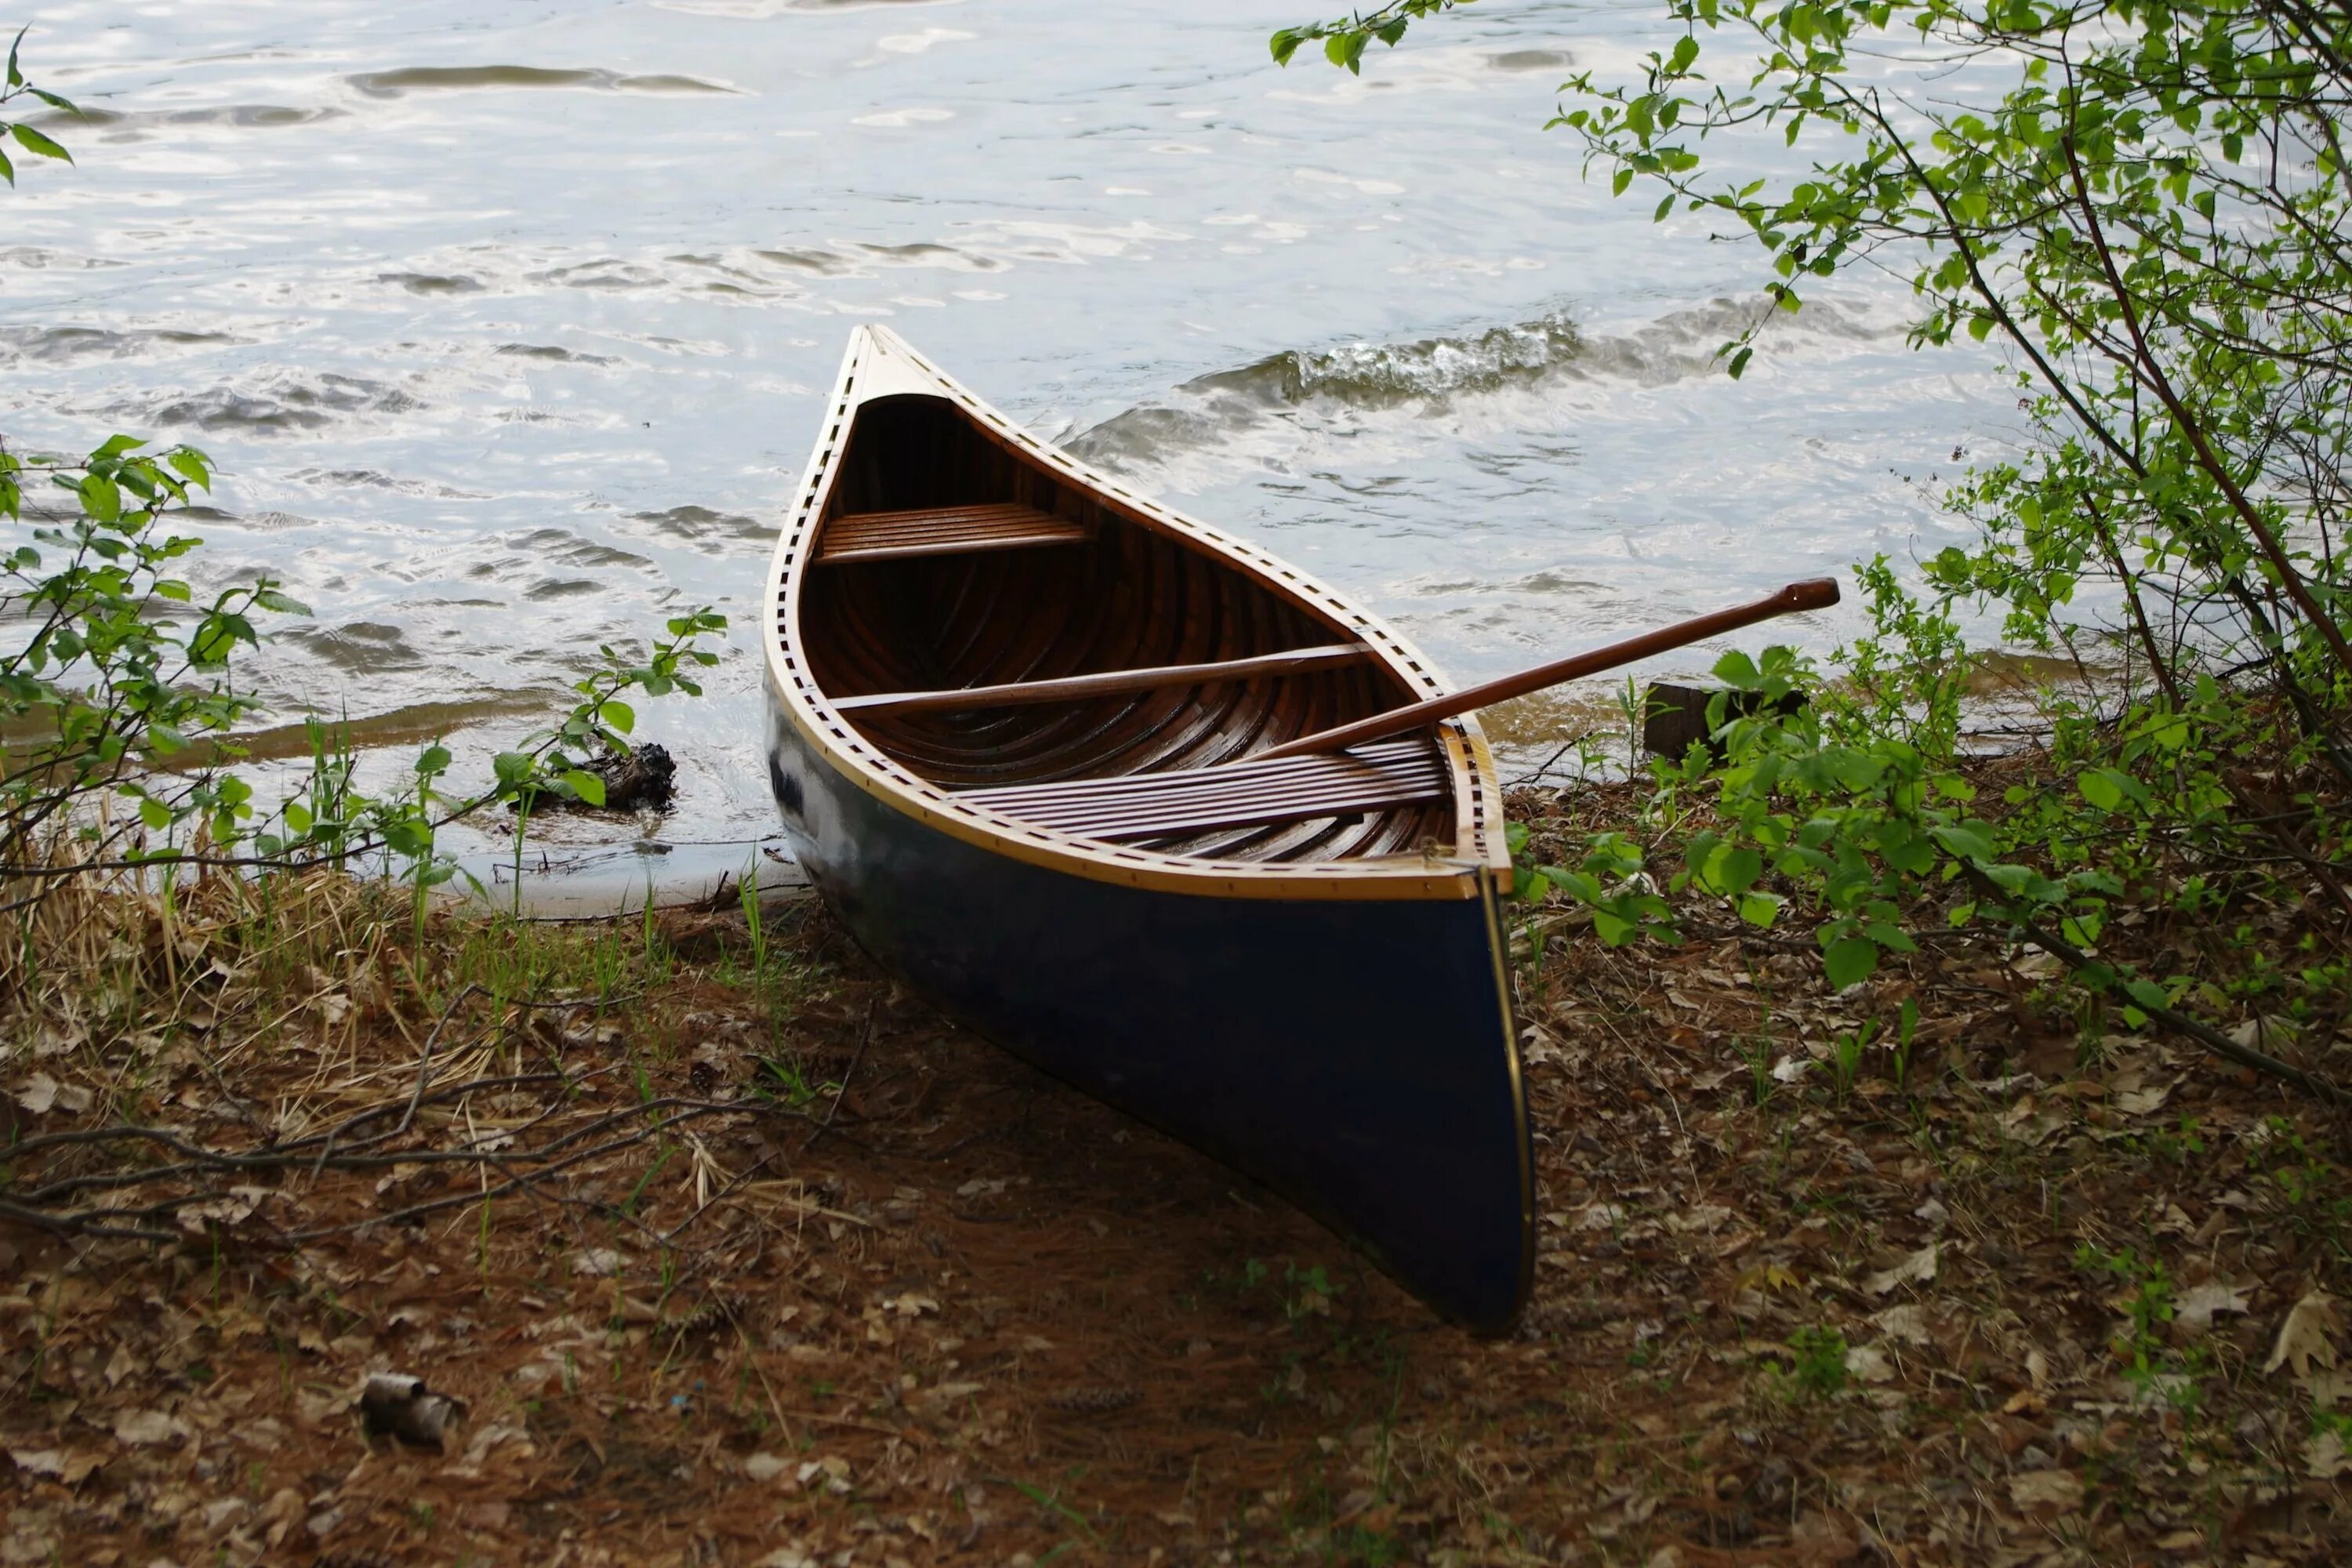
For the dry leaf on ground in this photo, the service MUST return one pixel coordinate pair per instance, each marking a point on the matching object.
(1869, 1364)
(1906, 1323)
(148, 1427)
(1916, 1269)
(2302, 1338)
(2197, 1306)
(2323, 1457)
(2057, 1491)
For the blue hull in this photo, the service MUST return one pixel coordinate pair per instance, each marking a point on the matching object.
(1356, 1057)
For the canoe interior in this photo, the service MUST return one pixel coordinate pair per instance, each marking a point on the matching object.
(1056, 583)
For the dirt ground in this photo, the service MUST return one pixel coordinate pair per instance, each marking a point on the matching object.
(898, 1298)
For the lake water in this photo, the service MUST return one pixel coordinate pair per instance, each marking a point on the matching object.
(508, 325)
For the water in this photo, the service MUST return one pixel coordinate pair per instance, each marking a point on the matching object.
(509, 326)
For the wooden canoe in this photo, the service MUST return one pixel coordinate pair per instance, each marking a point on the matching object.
(1012, 713)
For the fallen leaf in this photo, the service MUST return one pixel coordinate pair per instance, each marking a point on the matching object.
(37, 1093)
(597, 1262)
(489, 1439)
(2323, 1457)
(2195, 1307)
(1906, 1323)
(55, 1463)
(2059, 1490)
(2265, 1033)
(148, 1427)
(2302, 1338)
(1869, 1364)
(764, 1467)
(1766, 1277)
(1916, 1269)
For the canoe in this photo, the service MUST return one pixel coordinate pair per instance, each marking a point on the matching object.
(1015, 719)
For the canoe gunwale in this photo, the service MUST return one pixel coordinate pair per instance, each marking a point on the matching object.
(878, 365)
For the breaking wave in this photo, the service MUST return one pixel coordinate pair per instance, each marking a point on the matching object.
(1347, 385)
(1379, 376)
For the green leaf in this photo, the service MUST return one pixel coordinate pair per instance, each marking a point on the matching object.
(1850, 960)
(1736, 669)
(618, 714)
(32, 140)
(2147, 994)
(409, 839)
(102, 498)
(431, 760)
(1966, 842)
(154, 813)
(586, 785)
(1760, 910)
(2099, 789)
(511, 767)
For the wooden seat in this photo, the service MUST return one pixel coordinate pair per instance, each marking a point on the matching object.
(1234, 794)
(1106, 683)
(940, 530)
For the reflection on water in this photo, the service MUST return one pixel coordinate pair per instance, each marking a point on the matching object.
(508, 328)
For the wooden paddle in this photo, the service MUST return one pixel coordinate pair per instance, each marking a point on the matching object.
(1817, 594)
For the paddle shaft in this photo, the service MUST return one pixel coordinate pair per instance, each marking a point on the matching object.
(1816, 593)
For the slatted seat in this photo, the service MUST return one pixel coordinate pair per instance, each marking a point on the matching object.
(1107, 683)
(941, 531)
(1235, 794)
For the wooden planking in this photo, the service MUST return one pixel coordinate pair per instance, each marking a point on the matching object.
(1136, 603)
(1106, 683)
(941, 531)
(1234, 794)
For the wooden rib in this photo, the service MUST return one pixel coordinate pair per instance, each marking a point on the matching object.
(1106, 683)
(1132, 600)
(1238, 794)
(940, 530)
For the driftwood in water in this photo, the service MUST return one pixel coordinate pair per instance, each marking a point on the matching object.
(642, 779)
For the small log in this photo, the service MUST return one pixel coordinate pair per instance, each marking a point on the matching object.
(1674, 716)
(643, 778)
(398, 1404)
